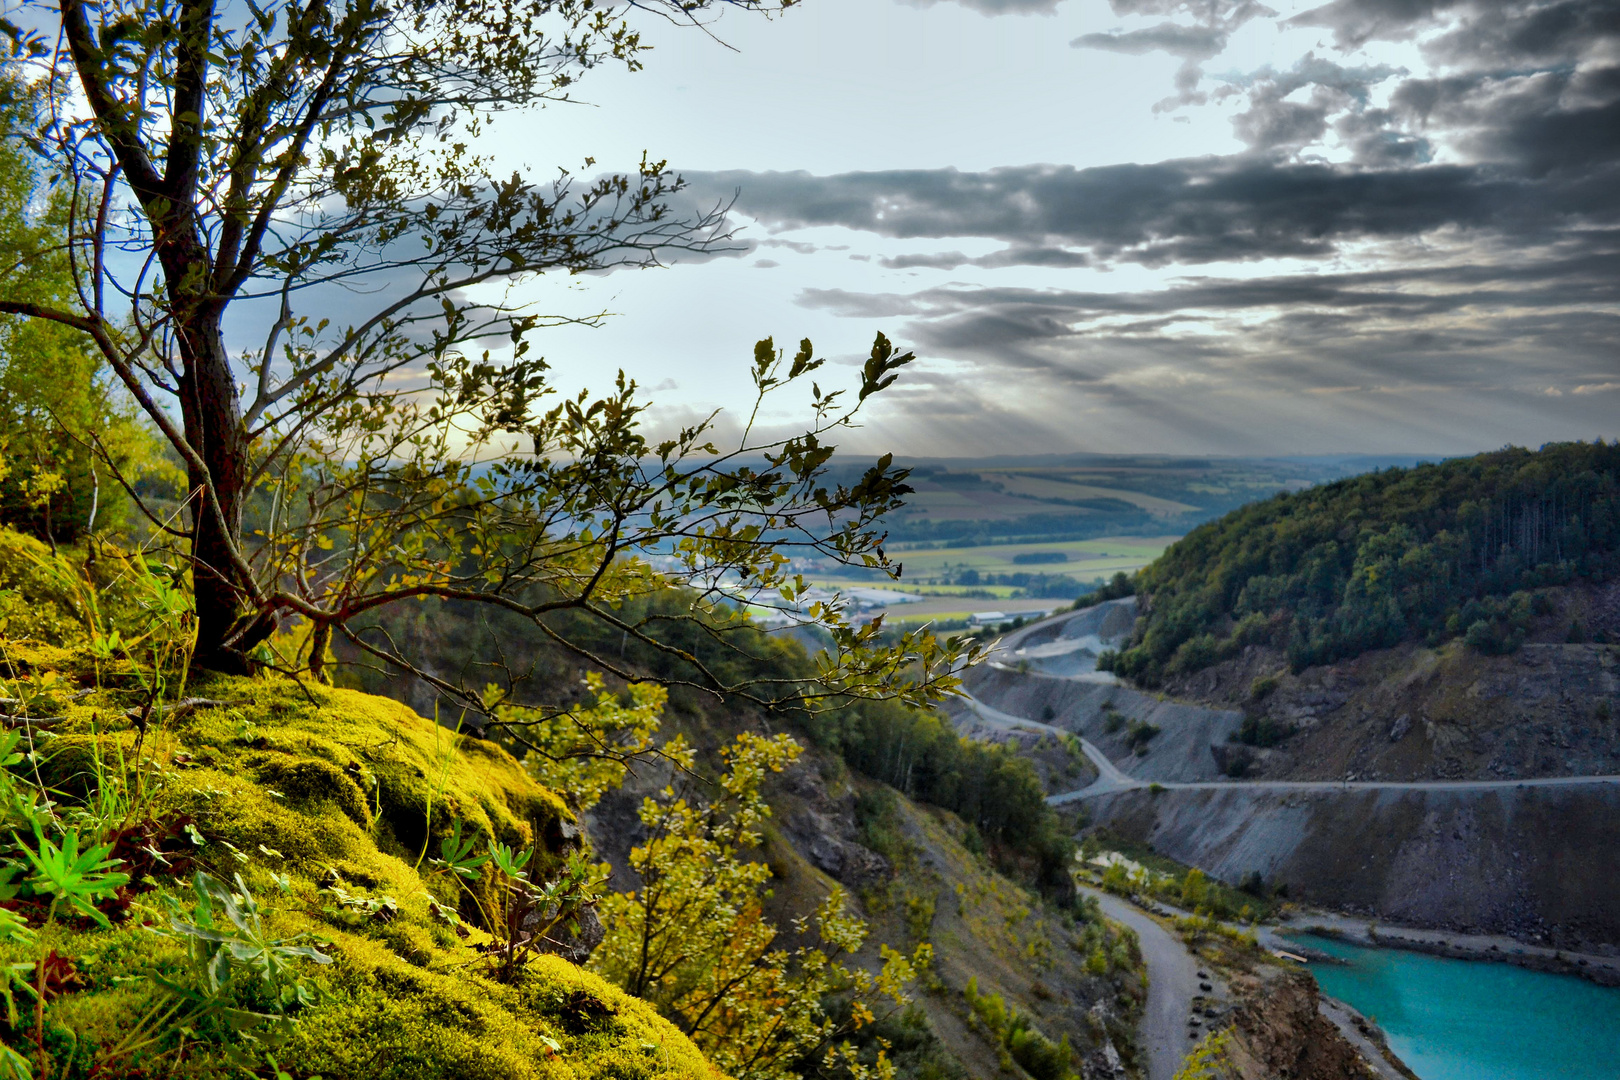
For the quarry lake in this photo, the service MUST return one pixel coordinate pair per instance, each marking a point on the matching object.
(1466, 1020)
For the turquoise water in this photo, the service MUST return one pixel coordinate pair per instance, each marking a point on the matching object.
(1472, 1020)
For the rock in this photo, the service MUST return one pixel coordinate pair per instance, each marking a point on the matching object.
(822, 826)
(1102, 1063)
(1279, 1031)
(1398, 730)
(572, 945)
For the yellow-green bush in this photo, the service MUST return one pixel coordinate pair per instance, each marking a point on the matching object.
(300, 788)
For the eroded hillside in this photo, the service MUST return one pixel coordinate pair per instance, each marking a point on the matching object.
(1549, 708)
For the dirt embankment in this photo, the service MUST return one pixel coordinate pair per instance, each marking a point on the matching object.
(1535, 864)
(1279, 1031)
(1111, 718)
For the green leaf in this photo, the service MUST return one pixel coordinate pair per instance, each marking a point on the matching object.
(78, 878)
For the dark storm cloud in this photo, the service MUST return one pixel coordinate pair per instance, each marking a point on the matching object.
(1587, 279)
(1272, 121)
(1485, 295)
(1012, 256)
(1189, 211)
(1437, 354)
(1212, 22)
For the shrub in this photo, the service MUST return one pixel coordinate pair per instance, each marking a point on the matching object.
(1138, 734)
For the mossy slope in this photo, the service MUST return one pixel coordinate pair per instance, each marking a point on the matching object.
(298, 789)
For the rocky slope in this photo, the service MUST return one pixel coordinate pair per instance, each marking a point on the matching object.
(1534, 863)
(1279, 1031)
(911, 876)
(1552, 708)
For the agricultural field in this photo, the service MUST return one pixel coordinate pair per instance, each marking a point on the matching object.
(1090, 496)
(1084, 560)
(1026, 535)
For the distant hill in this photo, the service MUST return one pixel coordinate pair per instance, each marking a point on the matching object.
(1043, 498)
(1430, 552)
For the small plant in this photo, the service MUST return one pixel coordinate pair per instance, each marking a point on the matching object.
(82, 880)
(352, 909)
(1209, 1060)
(239, 945)
(520, 914)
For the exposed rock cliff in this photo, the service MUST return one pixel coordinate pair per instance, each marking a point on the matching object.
(1279, 1033)
(1534, 863)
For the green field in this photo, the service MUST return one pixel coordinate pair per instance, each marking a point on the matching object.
(1087, 559)
(1086, 495)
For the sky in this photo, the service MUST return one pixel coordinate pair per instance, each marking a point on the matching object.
(1146, 226)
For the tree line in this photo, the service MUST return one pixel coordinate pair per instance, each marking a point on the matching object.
(1429, 553)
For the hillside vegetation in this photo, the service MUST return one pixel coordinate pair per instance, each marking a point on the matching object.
(995, 791)
(1427, 553)
(266, 872)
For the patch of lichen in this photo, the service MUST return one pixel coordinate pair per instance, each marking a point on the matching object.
(297, 788)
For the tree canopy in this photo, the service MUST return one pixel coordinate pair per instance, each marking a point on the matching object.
(1365, 563)
(232, 166)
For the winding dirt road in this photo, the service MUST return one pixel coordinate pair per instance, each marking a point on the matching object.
(1173, 982)
(1111, 779)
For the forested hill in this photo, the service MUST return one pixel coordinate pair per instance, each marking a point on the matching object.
(1430, 552)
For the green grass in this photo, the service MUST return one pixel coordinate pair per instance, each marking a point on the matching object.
(1088, 559)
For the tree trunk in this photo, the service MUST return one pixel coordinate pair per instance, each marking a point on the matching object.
(212, 411)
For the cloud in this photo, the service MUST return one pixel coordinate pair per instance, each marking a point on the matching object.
(1011, 256)
(1274, 121)
(1212, 23)
(1193, 42)
(998, 7)
(1188, 211)
(1449, 231)
(1438, 355)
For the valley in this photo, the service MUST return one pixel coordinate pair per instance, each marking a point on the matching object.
(1509, 852)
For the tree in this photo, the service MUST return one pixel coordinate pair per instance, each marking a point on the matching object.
(694, 939)
(56, 401)
(236, 162)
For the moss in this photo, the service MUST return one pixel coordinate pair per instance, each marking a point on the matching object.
(313, 780)
(34, 604)
(288, 786)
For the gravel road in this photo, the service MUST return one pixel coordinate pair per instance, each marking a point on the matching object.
(1110, 779)
(1172, 984)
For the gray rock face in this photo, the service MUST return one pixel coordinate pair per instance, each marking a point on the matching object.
(574, 944)
(1102, 713)
(1103, 1062)
(823, 827)
(1537, 864)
